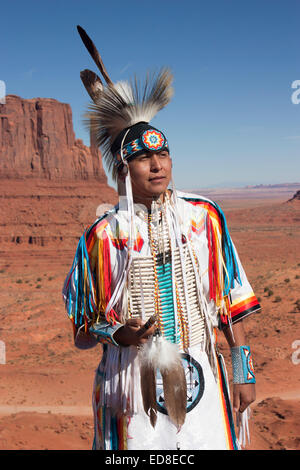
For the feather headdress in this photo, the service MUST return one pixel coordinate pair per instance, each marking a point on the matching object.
(117, 107)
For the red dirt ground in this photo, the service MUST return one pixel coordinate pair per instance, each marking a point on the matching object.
(46, 384)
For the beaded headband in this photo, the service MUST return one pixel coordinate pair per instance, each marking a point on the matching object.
(150, 140)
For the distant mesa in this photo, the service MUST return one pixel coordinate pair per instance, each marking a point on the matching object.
(37, 140)
(296, 197)
(272, 186)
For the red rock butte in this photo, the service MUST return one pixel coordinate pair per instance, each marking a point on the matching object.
(51, 183)
(37, 140)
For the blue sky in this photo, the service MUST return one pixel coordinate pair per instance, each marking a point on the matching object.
(231, 121)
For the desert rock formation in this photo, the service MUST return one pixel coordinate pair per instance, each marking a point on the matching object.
(37, 140)
(51, 183)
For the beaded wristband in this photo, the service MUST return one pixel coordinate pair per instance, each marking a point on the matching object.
(242, 365)
(104, 332)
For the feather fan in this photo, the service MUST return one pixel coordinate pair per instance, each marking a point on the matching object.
(161, 354)
(175, 394)
(148, 359)
(148, 388)
(174, 381)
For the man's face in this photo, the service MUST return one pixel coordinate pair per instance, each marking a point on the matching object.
(150, 174)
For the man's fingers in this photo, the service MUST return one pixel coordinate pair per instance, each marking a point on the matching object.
(244, 403)
(147, 329)
(236, 400)
(146, 333)
(243, 406)
(135, 322)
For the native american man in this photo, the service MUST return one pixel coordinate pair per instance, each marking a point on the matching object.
(154, 280)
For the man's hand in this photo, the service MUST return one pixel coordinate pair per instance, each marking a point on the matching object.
(133, 333)
(243, 396)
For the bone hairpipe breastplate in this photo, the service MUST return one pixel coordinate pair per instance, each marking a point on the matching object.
(160, 284)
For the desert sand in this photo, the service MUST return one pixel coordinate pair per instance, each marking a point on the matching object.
(46, 384)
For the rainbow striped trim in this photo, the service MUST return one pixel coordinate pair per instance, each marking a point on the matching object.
(230, 435)
(243, 306)
(216, 224)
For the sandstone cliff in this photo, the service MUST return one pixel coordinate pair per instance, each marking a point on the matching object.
(37, 140)
(52, 186)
